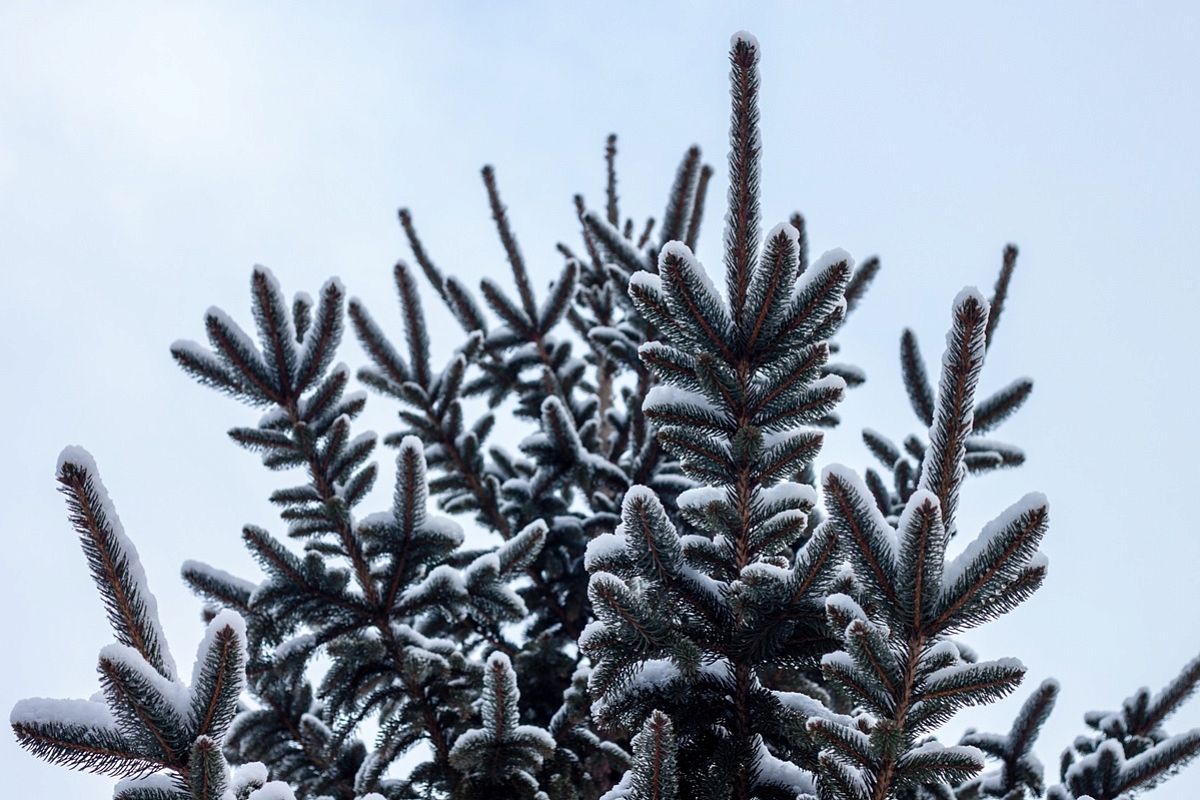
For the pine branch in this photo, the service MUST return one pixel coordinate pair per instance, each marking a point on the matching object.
(680, 199)
(1000, 293)
(610, 193)
(941, 470)
(113, 561)
(500, 215)
(915, 381)
(1172, 696)
(742, 221)
(798, 222)
(693, 230)
(864, 276)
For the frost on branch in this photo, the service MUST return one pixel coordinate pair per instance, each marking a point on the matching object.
(906, 465)
(503, 756)
(1131, 750)
(149, 725)
(896, 661)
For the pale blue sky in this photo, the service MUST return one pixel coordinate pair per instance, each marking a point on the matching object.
(150, 154)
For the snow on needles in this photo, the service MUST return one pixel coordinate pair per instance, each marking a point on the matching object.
(172, 691)
(220, 575)
(772, 771)
(149, 784)
(226, 618)
(815, 272)
(848, 476)
(789, 492)
(603, 546)
(248, 774)
(86, 713)
(688, 261)
(956, 568)
(81, 459)
(744, 37)
(646, 280)
(700, 497)
(275, 790)
(664, 394)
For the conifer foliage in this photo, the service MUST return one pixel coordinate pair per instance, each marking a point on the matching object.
(162, 736)
(898, 662)
(685, 624)
(982, 454)
(667, 603)
(1130, 750)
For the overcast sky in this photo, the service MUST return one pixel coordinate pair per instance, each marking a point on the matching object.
(151, 154)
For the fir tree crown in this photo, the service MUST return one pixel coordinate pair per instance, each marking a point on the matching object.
(680, 599)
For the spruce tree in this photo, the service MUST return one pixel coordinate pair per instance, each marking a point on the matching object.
(671, 605)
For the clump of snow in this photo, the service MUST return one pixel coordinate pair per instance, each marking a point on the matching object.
(444, 527)
(918, 498)
(845, 606)
(945, 673)
(542, 739)
(772, 771)
(442, 576)
(646, 280)
(810, 707)
(655, 672)
(486, 566)
(250, 773)
(639, 493)
(744, 37)
(969, 294)
(677, 249)
(700, 497)
(789, 492)
(831, 381)
(945, 648)
(275, 790)
(762, 571)
(785, 228)
(931, 746)
(158, 782)
(664, 394)
(838, 658)
(816, 270)
(603, 547)
(63, 712)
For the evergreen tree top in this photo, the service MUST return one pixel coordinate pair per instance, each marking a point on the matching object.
(676, 598)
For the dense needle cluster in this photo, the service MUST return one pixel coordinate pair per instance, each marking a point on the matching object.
(675, 602)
